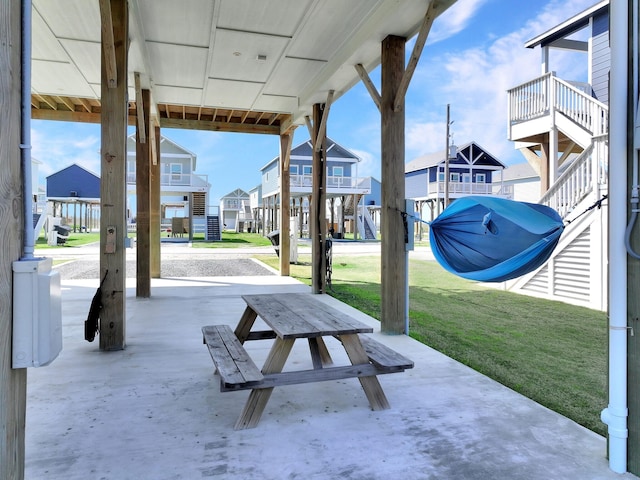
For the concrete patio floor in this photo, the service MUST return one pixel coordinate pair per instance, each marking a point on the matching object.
(155, 411)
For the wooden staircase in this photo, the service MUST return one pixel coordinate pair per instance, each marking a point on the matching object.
(576, 272)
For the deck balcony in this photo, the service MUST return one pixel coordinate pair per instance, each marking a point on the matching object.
(178, 182)
(547, 102)
(336, 185)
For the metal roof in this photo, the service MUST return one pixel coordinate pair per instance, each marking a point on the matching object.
(234, 65)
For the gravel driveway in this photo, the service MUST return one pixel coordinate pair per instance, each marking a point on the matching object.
(187, 267)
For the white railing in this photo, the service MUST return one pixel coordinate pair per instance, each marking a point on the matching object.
(175, 179)
(468, 188)
(588, 170)
(301, 181)
(542, 95)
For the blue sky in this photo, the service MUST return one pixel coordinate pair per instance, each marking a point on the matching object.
(474, 54)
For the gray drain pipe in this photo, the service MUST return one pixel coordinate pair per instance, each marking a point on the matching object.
(25, 139)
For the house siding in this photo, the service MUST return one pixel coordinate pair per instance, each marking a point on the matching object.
(270, 179)
(415, 184)
(73, 179)
(601, 58)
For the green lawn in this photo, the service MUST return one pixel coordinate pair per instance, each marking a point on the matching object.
(234, 240)
(74, 240)
(555, 354)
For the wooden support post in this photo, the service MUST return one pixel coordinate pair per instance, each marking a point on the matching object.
(318, 222)
(285, 201)
(154, 205)
(113, 186)
(545, 160)
(143, 157)
(393, 278)
(13, 383)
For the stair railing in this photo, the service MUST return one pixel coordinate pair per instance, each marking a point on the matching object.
(587, 174)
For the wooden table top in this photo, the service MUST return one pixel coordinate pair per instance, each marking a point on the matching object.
(302, 315)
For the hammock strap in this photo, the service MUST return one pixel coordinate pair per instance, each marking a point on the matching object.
(597, 203)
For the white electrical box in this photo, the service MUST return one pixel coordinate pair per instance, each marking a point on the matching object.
(37, 313)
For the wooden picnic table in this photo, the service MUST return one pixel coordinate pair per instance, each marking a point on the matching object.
(291, 317)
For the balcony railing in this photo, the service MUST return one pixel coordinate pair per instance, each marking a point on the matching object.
(548, 93)
(436, 189)
(302, 181)
(176, 179)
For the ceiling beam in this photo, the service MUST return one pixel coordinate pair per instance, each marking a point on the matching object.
(109, 45)
(217, 126)
(371, 88)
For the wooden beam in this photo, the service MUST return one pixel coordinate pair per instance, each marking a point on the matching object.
(67, 103)
(113, 184)
(141, 108)
(425, 27)
(77, 117)
(13, 382)
(154, 203)
(371, 88)
(322, 129)
(219, 126)
(317, 216)
(312, 133)
(285, 204)
(46, 101)
(394, 269)
(108, 43)
(143, 202)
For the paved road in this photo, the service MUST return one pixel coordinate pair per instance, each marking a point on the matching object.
(182, 260)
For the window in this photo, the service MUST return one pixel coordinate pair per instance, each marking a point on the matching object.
(454, 177)
(480, 178)
(293, 170)
(338, 171)
(176, 172)
(441, 176)
(306, 169)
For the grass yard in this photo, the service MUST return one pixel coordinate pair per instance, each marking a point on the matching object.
(234, 240)
(553, 353)
(74, 240)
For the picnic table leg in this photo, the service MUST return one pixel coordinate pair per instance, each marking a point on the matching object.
(259, 397)
(319, 353)
(370, 385)
(245, 324)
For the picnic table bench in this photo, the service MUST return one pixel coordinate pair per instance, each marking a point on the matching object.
(290, 317)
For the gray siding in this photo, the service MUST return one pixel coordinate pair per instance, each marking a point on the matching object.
(601, 59)
(415, 184)
(270, 178)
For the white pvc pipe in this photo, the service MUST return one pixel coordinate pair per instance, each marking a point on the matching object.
(25, 140)
(615, 415)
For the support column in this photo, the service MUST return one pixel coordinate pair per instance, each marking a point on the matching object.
(545, 161)
(143, 246)
(113, 184)
(285, 204)
(154, 205)
(318, 222)
(393, 278)
(13, 383)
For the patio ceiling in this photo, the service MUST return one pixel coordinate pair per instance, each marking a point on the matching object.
(227, 65)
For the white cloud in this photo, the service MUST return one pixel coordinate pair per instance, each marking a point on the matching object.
(455, 19)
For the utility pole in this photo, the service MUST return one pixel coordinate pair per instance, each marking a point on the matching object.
(446, 165)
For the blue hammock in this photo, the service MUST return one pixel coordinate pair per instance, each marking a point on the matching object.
(490, 239)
